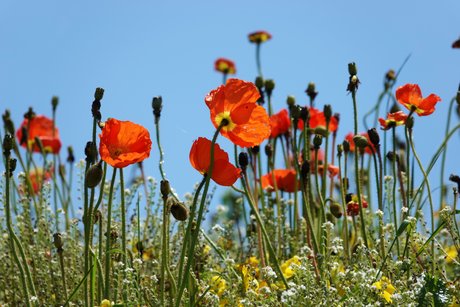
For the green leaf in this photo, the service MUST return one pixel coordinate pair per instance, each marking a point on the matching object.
(440, 227)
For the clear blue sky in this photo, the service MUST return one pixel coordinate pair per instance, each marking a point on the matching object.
(146, 48)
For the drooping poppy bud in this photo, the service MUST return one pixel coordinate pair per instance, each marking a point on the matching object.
(179, 211)
(243, 160)
(94, 175)
(165, 188)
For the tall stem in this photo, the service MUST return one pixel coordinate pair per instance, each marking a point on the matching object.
(108, 243)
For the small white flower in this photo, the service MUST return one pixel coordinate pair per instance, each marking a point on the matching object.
(379, 213)
(137, 261)
(404, 209)
(217, 228)
(33, 299)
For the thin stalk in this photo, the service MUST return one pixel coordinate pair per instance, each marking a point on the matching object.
(395, 212)
(444, 155)
(108, 243)
(123, 237)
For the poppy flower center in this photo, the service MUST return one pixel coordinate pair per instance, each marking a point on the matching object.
(225, 115)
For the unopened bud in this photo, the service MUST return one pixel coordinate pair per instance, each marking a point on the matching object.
(157, 105)
(295, 112)
(54, 102)
(346, 146)
(352, 69)
(243, 160)
(304, 113)
(94, 175)
(320, 130)
(165, 188)
(317, 141)
(8, 123)
(179, 211)
(374, 136)
(269, 86)
(255, 150)
(391, 156)
(13, 163)
(8, 144)
(327, 110)
(360, 141)
(290, 100)
(410, 122)
(305, 170)
(57, 241)
(259, 82)
(70, 155)
(339, 150)
(39, 144)
(336, 210)
(330, 218)
(90, 152)
(268, 150)
(30, 114)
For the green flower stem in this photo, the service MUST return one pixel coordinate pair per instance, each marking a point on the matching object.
(395, 211)
(376, 155)
(271, 251)
(194, 235)
(108, 243)
(62, 266)
(164, 250)
(430, 199)
(444, 155)
(12, 235)
(259, 66)
(224, 78)
(325, 162)
(322, 218)
(357, 172)
(344, 209)
(123, 236)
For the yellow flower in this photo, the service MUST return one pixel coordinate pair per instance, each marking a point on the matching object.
(206, 249)
(106, 303)
(386, 289)
(286, 267)
(218, 285)
(249, 281)
(451, 252)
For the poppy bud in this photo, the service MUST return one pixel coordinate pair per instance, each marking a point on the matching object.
(94, 175)
(317, 141)
(360, 141)
(90, 152)
(57, 241)
(157, 105)
(290, 100)
(295, 112)
(140, 247)
(70, 156)
(165, 188)
(348, 197)
(269, 86)
(54, 102)
(7, 144)
(391, 156)
(305, 170)
(99, 93)
(243, 160)
(259, 82)
(179, 211)
(255, 150)
(390, 75)
(320, 130)
(8, 123)
(410, 122)
(352, 69)
(30, 114)
(339, 150)
(268, 150)
(97, 216)
(327, 110)
(374, 136)
(336, 210)
(346, 146)
(456, 179)
(311, 91)
(304, 113)
(13, 163)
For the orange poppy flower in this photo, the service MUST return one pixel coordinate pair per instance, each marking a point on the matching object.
(37, 177)
(349, 138)
(317, 119)
(279, 123)
(124, 143)
(393, 120)
(225, 66)
(259, 37)
(410, 96)
(285, 180)
(223, 173)
(332, 170)
(236, 102)
(40, 127)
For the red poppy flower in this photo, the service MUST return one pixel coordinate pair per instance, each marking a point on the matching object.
(279, 123)
(353, 205)
(225, 66)
(410, 96)
(259, 37)
(285, 180)
(40, 127)
(393, 120)
(349, 138)
(317, 119)
(124, 143)
(223, 172)
(236, 102)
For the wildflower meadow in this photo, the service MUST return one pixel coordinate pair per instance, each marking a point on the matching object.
(306, 217)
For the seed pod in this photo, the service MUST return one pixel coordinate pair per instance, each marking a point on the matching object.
(179, 211)
(336, 210)
(165, 188)
(243, 160)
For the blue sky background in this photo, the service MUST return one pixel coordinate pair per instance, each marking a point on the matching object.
(146, 48)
